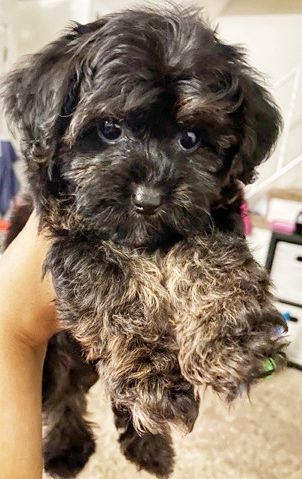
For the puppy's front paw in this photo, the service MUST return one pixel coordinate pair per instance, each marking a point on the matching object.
(231, 363)
(224, 320)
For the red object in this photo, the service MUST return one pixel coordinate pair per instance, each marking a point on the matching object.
(4, 225)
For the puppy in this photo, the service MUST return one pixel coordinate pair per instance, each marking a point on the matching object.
(138, 131)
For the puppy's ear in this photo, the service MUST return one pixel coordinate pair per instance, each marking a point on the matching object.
(40, 96)
(260, 126)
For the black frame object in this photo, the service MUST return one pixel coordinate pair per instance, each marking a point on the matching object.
(288, 238)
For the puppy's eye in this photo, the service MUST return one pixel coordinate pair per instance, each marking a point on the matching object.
(109, 131)
(189, 140)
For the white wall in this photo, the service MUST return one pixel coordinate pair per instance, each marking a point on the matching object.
(273, 42)
(274, 46)
(211, 8)
(38, 23)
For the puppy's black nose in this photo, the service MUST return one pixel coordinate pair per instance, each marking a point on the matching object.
(146, 199)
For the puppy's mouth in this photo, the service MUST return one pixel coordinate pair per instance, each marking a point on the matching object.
(146, 210)
(145, 235)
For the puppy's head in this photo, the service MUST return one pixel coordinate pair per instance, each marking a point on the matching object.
(134, 126)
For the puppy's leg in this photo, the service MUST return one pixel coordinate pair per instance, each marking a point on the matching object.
(151, 452)
(228, 330)
(69, 441)
(146, 379)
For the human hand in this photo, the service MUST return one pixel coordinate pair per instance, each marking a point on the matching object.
(27, 299)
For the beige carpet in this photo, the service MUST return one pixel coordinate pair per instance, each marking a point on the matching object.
(260, 439)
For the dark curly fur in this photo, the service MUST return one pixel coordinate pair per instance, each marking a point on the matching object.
(153, 276)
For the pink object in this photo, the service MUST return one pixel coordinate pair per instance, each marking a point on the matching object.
(282, 227)
(246, 218)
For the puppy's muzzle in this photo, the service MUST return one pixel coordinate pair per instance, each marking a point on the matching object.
(146, 199)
